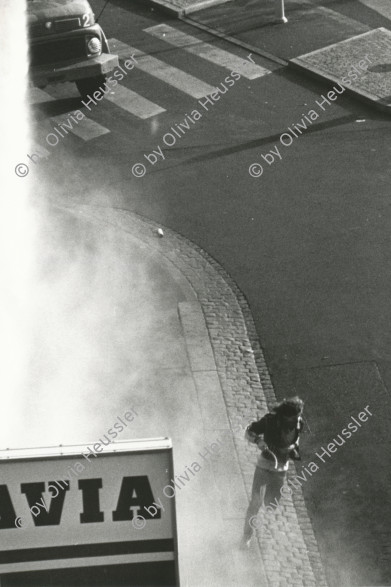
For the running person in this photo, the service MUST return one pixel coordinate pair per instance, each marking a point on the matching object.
(280, 430)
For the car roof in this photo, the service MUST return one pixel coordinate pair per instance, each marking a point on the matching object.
(48, 9)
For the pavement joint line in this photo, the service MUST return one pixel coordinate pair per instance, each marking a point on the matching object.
(194, 311)
(222, 303)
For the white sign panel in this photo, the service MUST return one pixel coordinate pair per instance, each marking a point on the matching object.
(64, 510)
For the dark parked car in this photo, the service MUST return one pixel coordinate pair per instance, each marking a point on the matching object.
(66, 44)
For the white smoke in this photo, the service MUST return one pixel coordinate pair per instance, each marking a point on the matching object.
(17, 220)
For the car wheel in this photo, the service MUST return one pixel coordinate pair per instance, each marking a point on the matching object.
(90, 85)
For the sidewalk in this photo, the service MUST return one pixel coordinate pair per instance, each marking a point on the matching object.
(201, 378)
(324, 39)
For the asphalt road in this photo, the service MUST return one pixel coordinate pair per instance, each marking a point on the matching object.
(307, 242)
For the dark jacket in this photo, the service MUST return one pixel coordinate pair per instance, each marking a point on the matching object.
(282, 443)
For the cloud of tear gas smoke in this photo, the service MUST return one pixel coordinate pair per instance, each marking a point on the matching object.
(17, 227)
(92, 314)
(89, 320)
(76, 303)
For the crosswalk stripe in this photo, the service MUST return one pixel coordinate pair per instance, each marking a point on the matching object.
(167, 73)
(381, 6)
(86, 129)
(206, 51)
(133, 103)
(37, 96)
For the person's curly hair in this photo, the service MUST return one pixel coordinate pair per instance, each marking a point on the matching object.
(292, 406)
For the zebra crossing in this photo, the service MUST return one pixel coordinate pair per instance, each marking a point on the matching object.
(86, 129)
(173, 76)
(206, 51)
(134, 103)
(141, 106)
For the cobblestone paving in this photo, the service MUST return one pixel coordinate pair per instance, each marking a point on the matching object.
(291, 555)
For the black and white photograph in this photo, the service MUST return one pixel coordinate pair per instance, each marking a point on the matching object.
(195, 297)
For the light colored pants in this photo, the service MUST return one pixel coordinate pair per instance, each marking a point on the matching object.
(266, 489)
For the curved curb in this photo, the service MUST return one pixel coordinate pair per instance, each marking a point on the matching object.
(291, 556)
(173, 9)
(313, 72)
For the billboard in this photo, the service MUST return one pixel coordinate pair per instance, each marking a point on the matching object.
(63, 507)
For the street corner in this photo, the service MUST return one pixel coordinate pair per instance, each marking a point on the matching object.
(361, 64)
(178, 8)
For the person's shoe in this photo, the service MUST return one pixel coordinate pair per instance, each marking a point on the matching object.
(295, 454)
(245, 542)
